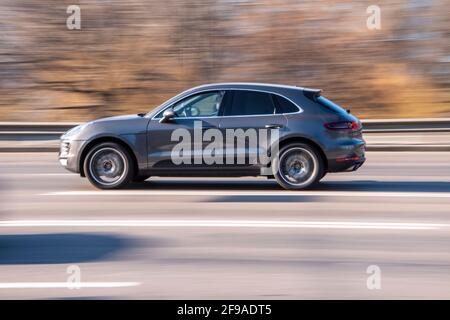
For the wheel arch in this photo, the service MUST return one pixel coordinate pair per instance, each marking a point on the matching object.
(310, 142)
(98, 140)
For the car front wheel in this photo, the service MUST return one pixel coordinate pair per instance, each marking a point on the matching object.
(108, 165)
(298, 166)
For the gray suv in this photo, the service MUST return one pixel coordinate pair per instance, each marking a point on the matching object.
(307, 136)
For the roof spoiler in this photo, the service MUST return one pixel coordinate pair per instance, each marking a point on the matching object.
(312, 93)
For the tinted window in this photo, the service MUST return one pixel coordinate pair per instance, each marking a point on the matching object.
(246, 103)
(198, 105)
(284, 105)
(330, 105)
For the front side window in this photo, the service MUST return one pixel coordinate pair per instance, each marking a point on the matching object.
(246, 103)
(199, 105)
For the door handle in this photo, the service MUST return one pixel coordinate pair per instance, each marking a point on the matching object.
(273, 126)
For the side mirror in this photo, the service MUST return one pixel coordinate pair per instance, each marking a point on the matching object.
(167, 115)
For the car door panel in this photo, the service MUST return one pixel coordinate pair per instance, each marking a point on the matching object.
(160, 136)
(163, 137)
(264, 125)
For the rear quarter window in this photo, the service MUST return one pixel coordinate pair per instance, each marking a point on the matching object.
(283, 105)
(330, 105)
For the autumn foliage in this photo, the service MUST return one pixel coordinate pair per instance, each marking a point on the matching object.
(130, 56)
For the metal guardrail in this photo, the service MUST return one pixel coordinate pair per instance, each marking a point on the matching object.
(35, 128)
(407, 125)
(44, 136)
(378, 125)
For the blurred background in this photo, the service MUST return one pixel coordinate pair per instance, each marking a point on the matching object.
(130, 56)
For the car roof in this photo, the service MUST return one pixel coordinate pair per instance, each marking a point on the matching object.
(284, 90)
(247, 85)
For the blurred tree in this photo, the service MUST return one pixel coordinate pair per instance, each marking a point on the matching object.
(129, 56)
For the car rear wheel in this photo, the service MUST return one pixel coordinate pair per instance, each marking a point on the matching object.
(298, 166)
(108, 165)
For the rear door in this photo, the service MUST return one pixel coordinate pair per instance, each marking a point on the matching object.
(247, 114)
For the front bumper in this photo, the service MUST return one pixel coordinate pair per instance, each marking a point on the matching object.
(69, 154)
(63, 161)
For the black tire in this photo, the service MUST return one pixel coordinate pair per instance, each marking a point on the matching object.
(140, 178)
(113, 161)
(298, 166)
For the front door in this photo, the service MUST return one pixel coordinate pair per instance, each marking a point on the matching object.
(165, 140)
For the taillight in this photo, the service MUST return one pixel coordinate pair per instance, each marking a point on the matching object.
(346, 159)
(342, 125)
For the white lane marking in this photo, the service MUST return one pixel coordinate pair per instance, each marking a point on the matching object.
(224, 223)
(68, 285)
(251, 193)
(39, 174)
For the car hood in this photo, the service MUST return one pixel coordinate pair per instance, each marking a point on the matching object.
(129, 117)
(111, 126)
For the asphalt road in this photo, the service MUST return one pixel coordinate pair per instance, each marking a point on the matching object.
(227, 238)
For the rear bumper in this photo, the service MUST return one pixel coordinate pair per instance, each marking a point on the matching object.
(339, 166)
(357, 165)
(351, 160)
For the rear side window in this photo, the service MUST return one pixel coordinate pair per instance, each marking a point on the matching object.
(246, 103)
(330, 105)
(283, 105)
